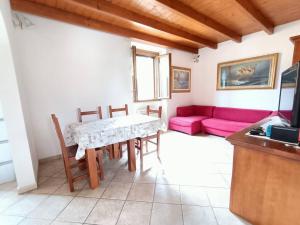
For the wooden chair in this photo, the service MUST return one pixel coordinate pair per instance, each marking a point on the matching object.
(141, 141)
(70, 162)
(86, 113)
(99, 113)
(111, 110)
(117, 148)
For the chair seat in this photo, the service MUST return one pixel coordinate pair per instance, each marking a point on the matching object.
(72, 150)
(187, 121)
(225, 125)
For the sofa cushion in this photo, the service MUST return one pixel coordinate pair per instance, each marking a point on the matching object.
(225, 125)
(185, 111)
(203, 110)
(187, 121)
(240, 115)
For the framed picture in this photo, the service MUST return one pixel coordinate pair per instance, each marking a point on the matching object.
(251, 73)
(181, 79)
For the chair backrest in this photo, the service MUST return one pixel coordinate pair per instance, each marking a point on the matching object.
(111, 110)
(86, 113)
(61, 138)
(154, 111)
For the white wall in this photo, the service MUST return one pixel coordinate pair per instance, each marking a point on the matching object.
(62, 67)
(205, 72)
(12, 108)
(182, 59)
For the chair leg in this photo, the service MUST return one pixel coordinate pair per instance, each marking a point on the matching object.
(110, 152)
(141, 151)
(69, 175)
(70, 179)
(71, 185)
(121, 151)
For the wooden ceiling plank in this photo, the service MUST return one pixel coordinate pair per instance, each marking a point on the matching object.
(256, 14)
(68, 17)
(116, 10)
(201, 18)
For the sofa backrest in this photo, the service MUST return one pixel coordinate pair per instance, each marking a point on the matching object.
(203, 110)
(287, 114)
(185, 111)
(240, 115)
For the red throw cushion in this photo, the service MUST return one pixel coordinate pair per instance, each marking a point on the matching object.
(187, 121)
(185, 111)
(241, 115)
(225, 125)
(204, 110)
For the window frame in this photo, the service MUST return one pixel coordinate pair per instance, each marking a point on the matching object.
(156, 56)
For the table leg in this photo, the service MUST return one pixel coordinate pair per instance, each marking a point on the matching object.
(92, 168)
(116, 151)
(131, 155)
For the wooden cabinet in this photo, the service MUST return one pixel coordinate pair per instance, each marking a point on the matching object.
(296, 41)
(265, 180)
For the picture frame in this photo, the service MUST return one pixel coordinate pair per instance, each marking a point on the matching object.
(181, 79)
(250, 73)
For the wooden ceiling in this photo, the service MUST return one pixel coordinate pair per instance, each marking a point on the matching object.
(182, 24)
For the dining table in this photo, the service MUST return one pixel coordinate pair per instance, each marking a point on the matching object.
(104, 132)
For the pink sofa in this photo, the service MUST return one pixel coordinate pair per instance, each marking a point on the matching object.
(219, 121)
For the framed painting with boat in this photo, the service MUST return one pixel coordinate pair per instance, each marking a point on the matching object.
(251, 73)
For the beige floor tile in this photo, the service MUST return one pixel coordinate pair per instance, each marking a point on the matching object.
(145, 177)
(49, 186)
(30, 221)
(61, 174)
(25, 205)
(77, 210)
(10, 220)
(64, 189)
(191, 195)
(218, 197)
(135, 213)
(48, 170)
(225, 217)
(124, 176)
(93, 193)
(9, 186)
(8, 199)
(106, 212)
(42, 179)
(167, 194)
(141, 192)
(167, 178)
(117, 190)
(64, 223)
(205, 180)
(166, 214)
(198, 215)
(51, 207)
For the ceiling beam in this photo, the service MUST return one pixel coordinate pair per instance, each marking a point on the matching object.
(68, 17)
(107, 7)
(257, 15)
(201, 18)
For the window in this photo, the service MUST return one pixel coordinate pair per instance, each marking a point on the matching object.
(151, 75)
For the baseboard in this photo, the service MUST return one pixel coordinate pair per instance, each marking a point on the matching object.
(26, 188)
(48, 159)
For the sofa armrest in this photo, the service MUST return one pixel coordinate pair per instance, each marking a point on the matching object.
(185, 111)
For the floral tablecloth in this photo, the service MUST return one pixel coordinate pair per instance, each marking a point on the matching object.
(105, 132)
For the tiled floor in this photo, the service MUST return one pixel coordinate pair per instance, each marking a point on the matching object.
(190, 186)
